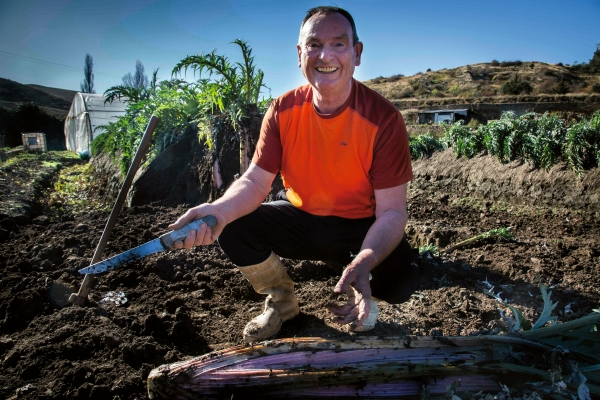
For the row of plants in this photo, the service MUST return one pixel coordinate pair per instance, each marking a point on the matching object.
(230, 89)
(540, 140)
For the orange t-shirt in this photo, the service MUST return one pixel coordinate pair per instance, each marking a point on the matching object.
(331, 164)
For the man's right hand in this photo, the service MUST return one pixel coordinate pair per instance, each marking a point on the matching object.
(204, 235)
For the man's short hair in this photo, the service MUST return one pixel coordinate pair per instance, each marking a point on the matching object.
(326, 10)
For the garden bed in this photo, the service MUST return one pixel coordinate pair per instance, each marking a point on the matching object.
(182, 304)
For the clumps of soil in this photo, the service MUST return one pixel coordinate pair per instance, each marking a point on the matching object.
(180, 304)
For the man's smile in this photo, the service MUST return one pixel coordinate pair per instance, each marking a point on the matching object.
(326, 70)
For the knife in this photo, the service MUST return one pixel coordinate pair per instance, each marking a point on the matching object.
(164, 242)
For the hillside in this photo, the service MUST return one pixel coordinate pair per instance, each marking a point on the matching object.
(489, 80)
(55, 102)
(489, 89)
(60, 93)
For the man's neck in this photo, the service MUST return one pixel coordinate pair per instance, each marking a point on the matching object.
(329, 104)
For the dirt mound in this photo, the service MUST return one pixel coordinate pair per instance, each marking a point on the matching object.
(175, 305)
(517, 183)
(185, 172)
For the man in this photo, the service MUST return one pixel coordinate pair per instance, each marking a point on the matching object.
(342, 150)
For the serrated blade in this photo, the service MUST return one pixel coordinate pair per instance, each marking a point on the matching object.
(154, 246)
(165, 242)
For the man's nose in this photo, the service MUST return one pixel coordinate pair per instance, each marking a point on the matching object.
(326, 53)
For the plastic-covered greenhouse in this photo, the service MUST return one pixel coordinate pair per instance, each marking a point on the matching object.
(87, 113)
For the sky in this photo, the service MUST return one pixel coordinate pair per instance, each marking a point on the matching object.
(44, 42)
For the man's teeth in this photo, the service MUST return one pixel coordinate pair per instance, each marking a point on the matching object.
(329, 69)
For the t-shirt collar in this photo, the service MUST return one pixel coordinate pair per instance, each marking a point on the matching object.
(342, 108)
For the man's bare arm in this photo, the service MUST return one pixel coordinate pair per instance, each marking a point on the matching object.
(382, 238)
(243, 196)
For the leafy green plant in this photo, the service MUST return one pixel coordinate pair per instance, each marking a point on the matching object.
(131, 93)
(182, 106)
(576, 148)
(518, 323)
(540, 140)
(463, 142)
(431, 248)
(177, 104)
(237, 85)
(423, 145)
(549, 306)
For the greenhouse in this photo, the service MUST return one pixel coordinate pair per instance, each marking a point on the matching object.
(86, 117)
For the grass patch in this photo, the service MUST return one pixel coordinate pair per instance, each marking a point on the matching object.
(51, 158)
(470, 202)
(51, 164)
(71, 192)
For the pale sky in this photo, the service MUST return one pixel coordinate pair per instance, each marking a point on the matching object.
(45, 41)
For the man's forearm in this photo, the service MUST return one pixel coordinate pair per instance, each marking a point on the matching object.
(241, 198)
(245, 194)
(382, 238)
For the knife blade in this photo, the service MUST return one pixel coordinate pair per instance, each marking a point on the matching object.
(164, 242)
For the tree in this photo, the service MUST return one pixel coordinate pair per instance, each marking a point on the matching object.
(595, 61)
(137, 81)
(87, 86)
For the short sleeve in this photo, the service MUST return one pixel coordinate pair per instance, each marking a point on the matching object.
(268, 149)
(391, 154)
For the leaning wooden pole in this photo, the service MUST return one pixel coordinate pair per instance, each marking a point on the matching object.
(80, 297)
(244, 143)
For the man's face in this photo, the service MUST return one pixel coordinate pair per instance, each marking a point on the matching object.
(326, 53)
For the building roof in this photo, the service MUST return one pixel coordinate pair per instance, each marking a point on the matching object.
(441, 111)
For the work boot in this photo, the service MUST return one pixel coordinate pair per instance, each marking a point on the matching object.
(270, 277)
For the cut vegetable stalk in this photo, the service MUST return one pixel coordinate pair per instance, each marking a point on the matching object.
(363, 367)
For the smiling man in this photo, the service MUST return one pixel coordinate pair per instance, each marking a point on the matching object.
(342, 151)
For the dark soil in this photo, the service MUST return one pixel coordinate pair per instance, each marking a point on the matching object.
(182, 304)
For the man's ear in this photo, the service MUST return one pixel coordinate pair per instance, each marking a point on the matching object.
(299, 49)
(358, 48)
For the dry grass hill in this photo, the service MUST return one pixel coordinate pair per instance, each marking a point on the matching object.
(488, 89)
(489, 80)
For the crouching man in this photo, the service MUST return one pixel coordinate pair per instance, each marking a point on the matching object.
(342, 150)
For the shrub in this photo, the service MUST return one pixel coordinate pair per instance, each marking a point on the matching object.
(454, 90)
(561, 87)
(400, 93)
(494, 63)
(516, 63)
(406, 93)
(595, 87)
(394, 78)
(516, 86)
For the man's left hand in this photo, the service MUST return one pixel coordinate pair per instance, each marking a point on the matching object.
(355, 283)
